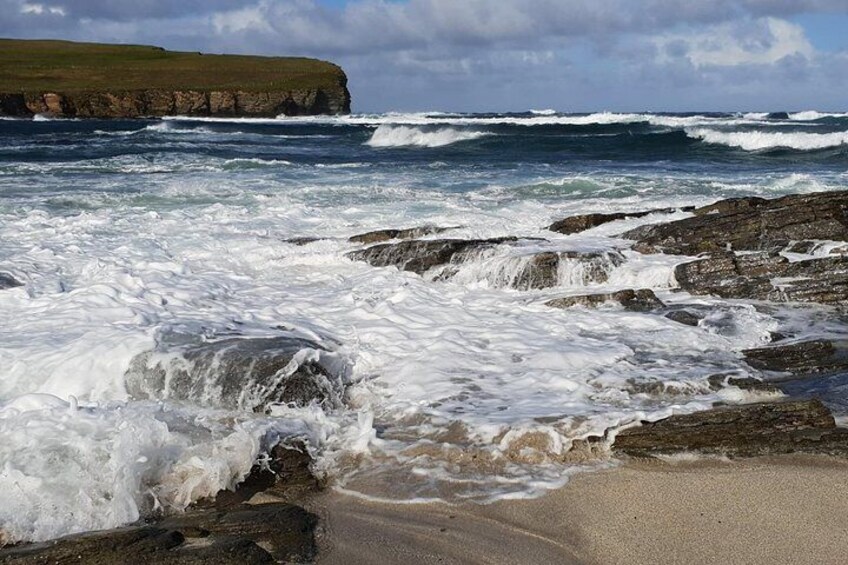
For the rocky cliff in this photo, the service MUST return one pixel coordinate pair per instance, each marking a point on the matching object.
(86, 80)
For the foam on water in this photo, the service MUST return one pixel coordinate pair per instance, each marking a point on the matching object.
(403, 136)
(761, 140)
(458, 387)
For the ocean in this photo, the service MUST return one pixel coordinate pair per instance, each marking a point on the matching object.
(126, 234)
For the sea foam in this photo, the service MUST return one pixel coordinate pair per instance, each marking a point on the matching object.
(404, 136)
(763, 140)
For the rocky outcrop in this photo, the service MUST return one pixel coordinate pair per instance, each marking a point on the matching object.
(685, 317)
(380, 236)
(803, 358)
(643, 300)
(8, 281)
(740, 431)
(751, 224)
(157, 103)
(767, 276)
(242, 373)
(583, 222)
(522, 271)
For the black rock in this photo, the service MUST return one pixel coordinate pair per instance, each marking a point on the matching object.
(749, 224)
(244, 534)
(242, 373)
(390, 234)
(803, 358)
(421, 256)
(583, 222)
(767, 276)
(684, 317)
(777, 116)
(748, 430)
(643, 300)
(301, 241)
(8, 281)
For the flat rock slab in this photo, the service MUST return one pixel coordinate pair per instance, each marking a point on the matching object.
(804, 358)
(583, 222)
(419, 256)
(767, 276)
(380, 236)
(241, 373)
(244, 534)
(8, 281)
(643, 300)
(748, 430)
(749, 224)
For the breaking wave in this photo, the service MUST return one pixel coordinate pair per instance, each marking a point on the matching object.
(404, 136)
(761, 140)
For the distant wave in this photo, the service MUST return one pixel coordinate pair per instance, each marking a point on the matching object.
(761, 140)
(405, 136)
(543, 112)
(811, 115)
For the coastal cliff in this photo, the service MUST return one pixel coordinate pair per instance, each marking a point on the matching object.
(84, 80)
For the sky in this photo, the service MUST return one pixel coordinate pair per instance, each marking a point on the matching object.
(503, 55)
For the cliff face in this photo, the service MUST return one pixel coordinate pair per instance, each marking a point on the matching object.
(157, 103)
(94, 80)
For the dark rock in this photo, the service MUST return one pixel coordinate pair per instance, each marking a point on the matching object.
(745, 383)
(390, 234)
(301, 240)
(242, 373)
(801, 247)
(767, 276)
(583, 222)
(421, 256)
(684, 317)
(8, 281)
(245, 534)
(803, 358)
(740, 431)
(643, 300)
(777, 116)
(749, 224)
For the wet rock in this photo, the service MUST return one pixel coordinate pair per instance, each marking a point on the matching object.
(767, 276)
(421, 256)
(777, 116)
(801, 247)
(379, 236)
(749, 224)
(804, 358)
(8, 281)
(643, 300)
(301, 240)
(740, 431)
(245, 534)
(684, 317)
(241, 373)
(583, 222)
(745, 383)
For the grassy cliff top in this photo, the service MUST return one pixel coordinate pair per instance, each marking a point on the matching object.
(65, 66)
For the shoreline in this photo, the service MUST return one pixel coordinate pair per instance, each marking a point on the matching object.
(785, 509)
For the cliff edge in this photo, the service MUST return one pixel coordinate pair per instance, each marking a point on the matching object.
(90, 80)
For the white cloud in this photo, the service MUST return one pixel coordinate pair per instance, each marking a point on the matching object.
(765, 41)
(40, 9)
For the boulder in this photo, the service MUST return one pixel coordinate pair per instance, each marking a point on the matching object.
(419, 256)
(8, 281)
(583, 222)
(379, 236)
(749, 224)
(684, 317)
(643, 300)
(241, 373)
(748, 430)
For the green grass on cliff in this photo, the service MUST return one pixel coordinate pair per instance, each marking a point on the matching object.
(64, 66)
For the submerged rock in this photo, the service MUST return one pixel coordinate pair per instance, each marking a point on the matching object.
(643, 300)
(751, 224)
(301, 241)
(379, 236)
(740, 431)
(242, 373)
(420, 256)
(804, 358)
(8, 281)
(767, 276)
(684, 317)
(243, 534)
(583, 222)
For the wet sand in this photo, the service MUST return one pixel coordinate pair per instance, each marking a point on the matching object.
(779, 510)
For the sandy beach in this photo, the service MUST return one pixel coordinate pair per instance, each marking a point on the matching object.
(778, 510)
